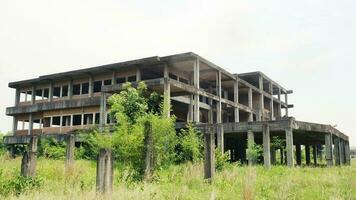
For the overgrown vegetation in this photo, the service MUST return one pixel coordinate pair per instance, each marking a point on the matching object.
(190, 145)
(2, 146)
(185, 181)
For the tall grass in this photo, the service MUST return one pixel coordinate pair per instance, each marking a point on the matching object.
(186, 182)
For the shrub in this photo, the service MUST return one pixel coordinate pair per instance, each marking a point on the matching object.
(51, 148)
(190, 145)
(18, 184)
(2, 146)
(221, 159)
(254, 152)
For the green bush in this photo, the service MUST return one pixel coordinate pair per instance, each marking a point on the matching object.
(221, 159)
(190, 145)
(51, 148)
(254, 152)
(2, 146)
(18, 184)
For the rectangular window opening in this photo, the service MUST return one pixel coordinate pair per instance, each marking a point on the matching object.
(97, 86)
(77, 120)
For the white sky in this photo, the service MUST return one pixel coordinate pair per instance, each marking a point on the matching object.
(307, 46)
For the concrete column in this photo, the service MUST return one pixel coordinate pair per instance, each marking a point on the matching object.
(342, 151)
(220, 137)
(149, 157)
(191, 108)
(307, 154)
(286, 101)
(218, 104)
(298, 154)
(273, 155)
(337, 150)
(104, 171)
(236, 99)
(91, 86)
(289, 147)
(328, 149)
(262, 106)
(266, 146)
(113, 78)
(50, 92)
(17, 96)
(209, 161)
(29, 159)
(102, 111)
(250, 117)
(70, 89)
(167, 90)
(271, 109)
(196, 95)
(210, 112)
(14, 124)
(315, 154)
(33, 96)
(281, 155)
(347, 153)
(250, 145)
(70, 147)
(30, 124)
(138, 75)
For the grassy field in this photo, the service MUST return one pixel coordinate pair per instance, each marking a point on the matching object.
(186, 182)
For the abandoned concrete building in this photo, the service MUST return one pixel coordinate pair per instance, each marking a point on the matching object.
(243, 107)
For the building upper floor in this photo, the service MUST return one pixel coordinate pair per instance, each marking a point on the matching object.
(187, 74)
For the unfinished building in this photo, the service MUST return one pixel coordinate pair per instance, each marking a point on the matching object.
(246, 106)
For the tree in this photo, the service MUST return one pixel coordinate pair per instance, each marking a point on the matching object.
(190, 144)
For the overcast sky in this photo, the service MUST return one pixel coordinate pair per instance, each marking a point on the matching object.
(307, 46)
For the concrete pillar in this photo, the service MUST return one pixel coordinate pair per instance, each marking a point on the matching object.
(218, 103)
(33, 96)
(347, 153)
(220, 137)
(17, 96)
(289, 147)
(266, 146)
(50, 92)
(250, 117)
(273, 155)
(196, 95)
(337, 150)
(271, 109)
(250, 145)
(307, 154)
(315, 154)
(262, 105)
(191, 108)
(209, 161)
(149, 157)
(113, 78)
(138, 75)
(70, 147)
(286, 101)
(167, 90)
(328, 149)
(341, 151)
(29, 159)
(104, 171)
(91, 86)
(281, 155)
(298, 154)
(14, 125)
(102, 111)
(70, 89)
(236, 99)
(30, 124)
